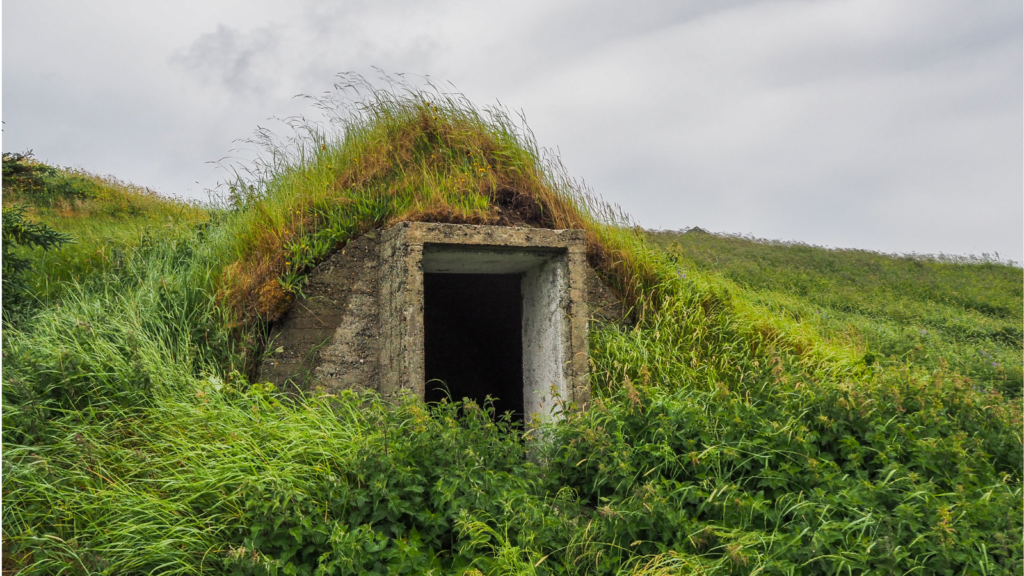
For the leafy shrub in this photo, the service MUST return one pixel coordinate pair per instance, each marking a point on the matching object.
(22, 173)
(901, 474)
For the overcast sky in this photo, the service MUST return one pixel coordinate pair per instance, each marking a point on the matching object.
(887, 125)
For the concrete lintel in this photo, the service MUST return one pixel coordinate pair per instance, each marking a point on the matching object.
(469, 234)
(477, 259)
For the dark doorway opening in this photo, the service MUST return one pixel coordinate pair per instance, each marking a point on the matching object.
(473, 339)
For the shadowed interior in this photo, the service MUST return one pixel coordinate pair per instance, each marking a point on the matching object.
(473, 338)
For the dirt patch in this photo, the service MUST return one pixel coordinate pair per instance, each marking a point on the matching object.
(517, 208)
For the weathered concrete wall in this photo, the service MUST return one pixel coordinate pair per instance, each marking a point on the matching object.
(361, 322)
(400, 317)
(546, 334)
(330, 339)
(602, 304)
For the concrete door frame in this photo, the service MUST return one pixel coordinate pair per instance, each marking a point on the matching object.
(553, 265)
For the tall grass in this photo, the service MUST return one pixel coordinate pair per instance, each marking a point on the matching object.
(724, 439)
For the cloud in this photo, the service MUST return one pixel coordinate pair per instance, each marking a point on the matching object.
(241, 62)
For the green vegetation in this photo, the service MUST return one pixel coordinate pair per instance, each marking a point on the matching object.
(726, 437)
(44, 184)
(17, 233)
(964, 313)
(108, 219)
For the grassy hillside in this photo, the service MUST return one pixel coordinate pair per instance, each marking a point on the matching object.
(960, 313)
(727, 436)
(107, 219)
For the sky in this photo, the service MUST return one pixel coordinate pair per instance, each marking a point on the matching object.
(887, 125)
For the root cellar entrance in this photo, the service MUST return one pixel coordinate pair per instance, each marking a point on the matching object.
(472, 332)
(477, 311)
(488, 310)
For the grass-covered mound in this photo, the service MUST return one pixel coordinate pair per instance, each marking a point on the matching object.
(398, 157)
(726, 436)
